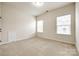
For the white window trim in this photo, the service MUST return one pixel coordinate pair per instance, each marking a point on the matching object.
(40, 26)
(63, 25)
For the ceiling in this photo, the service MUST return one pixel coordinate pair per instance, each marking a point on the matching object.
(31, 9)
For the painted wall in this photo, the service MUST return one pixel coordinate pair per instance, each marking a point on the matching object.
(0, 20)
(77, 26)
(17, 23)
(0, 9)
(49, 19)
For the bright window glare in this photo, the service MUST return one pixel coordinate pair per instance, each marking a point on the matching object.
(64, 24)
(40, 26)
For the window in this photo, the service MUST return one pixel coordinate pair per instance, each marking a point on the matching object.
(40, 26)
(64, 24)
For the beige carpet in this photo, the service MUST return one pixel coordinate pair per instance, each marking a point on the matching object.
(37, 47)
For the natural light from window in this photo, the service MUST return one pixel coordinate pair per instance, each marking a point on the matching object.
(64, 24)
(40, 26)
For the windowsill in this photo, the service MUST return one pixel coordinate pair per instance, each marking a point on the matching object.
(39, 32)
(65, 34)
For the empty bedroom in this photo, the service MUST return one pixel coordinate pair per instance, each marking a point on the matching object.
(39, 29)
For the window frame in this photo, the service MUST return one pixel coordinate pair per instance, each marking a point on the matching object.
(42, 26)
(69, 25)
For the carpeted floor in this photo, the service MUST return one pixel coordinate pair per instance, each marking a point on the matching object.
(37, 47)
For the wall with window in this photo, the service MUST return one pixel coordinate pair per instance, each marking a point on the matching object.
(50, 24)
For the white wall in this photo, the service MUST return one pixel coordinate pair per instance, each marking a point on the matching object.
(0, 20)
(77, 25)
(0, 9)
(49, 19)
(18, 22)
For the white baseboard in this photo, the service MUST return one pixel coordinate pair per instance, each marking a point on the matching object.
(1, 43)
(58, 41)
